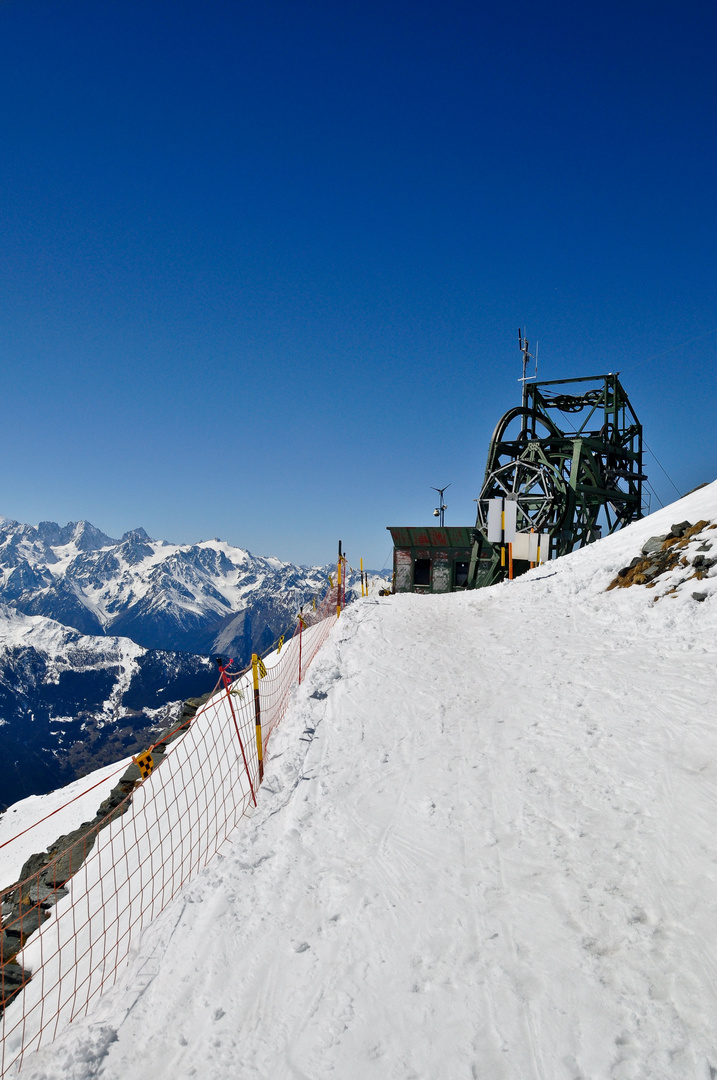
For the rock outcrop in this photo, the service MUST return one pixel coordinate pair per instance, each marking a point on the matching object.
(684, 554)
(26, 904)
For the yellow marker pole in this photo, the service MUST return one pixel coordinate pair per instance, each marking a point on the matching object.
(362, 592)
(338, 584)
(257, 714)
(502, 538)
(301, 630)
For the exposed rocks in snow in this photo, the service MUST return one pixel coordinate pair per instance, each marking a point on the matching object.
(44, 875)
(653, 544)
(668, 555)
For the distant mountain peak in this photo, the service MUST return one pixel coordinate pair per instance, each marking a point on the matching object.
(137, 535)
(87, 537)
(83, 534)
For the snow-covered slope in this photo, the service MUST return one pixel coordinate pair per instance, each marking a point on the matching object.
(484, 847)
(203, 598)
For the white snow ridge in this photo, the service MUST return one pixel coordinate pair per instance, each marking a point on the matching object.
(484, 848)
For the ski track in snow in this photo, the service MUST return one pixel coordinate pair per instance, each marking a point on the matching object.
(485, 850)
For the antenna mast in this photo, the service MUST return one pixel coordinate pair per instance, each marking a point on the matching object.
(523, 344)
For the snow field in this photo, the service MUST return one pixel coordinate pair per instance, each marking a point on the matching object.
(484, 848)
(176, 822)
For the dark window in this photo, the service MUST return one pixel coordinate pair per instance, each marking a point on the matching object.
(460, 579)
(422, 572)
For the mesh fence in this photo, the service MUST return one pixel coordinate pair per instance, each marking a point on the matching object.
(67, 927)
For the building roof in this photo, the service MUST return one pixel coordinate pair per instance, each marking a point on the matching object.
(450, 536)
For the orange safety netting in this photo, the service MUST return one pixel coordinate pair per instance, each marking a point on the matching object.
(68, 926)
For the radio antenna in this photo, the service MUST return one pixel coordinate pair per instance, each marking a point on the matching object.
(524, 346)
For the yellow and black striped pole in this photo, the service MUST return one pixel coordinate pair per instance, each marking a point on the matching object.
(257, 714)
(338, 583)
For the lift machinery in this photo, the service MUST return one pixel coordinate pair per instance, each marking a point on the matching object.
(570, 456)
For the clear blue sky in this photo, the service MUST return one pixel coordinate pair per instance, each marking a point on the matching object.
(262, 265)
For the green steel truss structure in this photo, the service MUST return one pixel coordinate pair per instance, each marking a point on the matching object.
(571, 457)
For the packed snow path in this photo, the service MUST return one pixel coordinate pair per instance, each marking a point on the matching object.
(484, 848)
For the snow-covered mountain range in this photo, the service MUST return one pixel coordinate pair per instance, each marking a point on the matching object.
(203, 598)
(100, 639)
(70, 702)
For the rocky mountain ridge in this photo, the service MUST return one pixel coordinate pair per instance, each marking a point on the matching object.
(202, 598)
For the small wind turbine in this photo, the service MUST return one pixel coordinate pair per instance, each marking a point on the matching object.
(441, 508)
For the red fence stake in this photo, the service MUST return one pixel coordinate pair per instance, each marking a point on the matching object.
(301, 627)
(225, 680)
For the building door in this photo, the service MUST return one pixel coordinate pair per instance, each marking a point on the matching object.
(422, 573)
(460, 575)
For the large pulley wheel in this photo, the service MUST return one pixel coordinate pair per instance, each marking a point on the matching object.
(515, 431)
(534, 486)
(572, 482)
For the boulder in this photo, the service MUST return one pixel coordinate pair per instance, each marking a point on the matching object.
(71, 851)
(24, 923)
(131, 775)
(192, 704)
(12, 980)
(45, 893)
(653, 544)
(8, 946)
(652, 572)
(13, 975)
(33, 865)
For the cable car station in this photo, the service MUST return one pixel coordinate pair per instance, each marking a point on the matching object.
(564, 468)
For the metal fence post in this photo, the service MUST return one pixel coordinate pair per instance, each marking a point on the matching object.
(257, 714)
(338, 583)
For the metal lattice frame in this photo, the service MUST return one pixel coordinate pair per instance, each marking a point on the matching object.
(575, 481)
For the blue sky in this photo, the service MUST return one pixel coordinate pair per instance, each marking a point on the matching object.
(262, 265)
